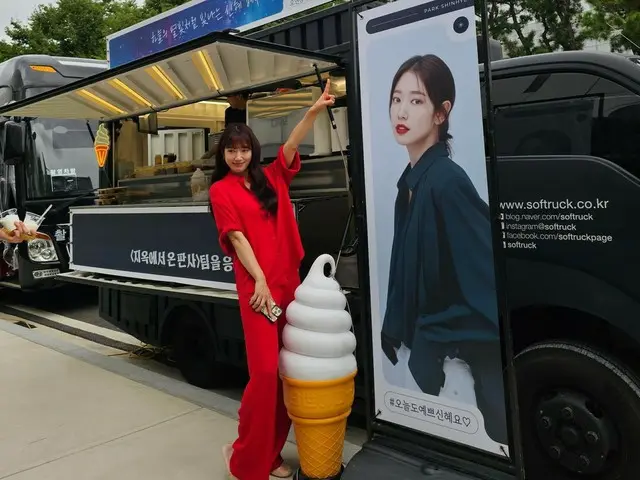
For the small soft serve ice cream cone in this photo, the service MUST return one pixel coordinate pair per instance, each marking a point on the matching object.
(101, 145)
(318, 367)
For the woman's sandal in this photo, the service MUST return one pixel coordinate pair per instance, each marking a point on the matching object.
(283, 471)
(227, 451)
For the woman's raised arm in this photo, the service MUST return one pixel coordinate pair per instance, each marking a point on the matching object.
(306, 124)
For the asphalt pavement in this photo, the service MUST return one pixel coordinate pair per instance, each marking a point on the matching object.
(79, 302)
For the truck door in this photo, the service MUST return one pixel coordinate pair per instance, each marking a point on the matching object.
(571, 162)
(7, 178)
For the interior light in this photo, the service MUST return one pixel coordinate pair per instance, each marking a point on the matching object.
(129, 92)
(159, 74)
(43, 68)
(205, 67)
(215, 102)
(100, 101)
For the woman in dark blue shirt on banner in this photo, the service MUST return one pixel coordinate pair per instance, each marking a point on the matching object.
(440, 330)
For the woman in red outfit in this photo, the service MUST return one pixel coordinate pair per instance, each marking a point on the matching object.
(257, 227)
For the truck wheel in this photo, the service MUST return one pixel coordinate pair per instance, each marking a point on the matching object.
(194, 350)
(580, 414)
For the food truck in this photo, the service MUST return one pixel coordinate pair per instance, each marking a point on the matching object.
(54, 171)
(561, 185)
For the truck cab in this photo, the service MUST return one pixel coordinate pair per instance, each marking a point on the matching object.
(55, 168)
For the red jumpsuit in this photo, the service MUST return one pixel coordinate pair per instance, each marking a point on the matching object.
(275, 240)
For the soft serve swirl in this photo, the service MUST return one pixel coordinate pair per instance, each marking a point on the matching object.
(318, 342)
(102, 136)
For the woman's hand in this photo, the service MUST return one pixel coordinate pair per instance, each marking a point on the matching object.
(16, 235)
(22, 229)
(325, 100)
(301, 130)
(261, 297)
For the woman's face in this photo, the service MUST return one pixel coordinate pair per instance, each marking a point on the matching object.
(238, 158)
(412, 113)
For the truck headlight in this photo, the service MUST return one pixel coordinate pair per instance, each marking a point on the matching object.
(42, 250)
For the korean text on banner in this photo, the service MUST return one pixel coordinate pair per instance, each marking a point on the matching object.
(196, 19)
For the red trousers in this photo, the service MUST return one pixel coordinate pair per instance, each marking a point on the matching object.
(264, 423)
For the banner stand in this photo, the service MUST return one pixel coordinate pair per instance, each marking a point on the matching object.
(395, 449)
(513, 410)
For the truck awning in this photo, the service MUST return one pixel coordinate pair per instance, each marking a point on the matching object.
(215, 65)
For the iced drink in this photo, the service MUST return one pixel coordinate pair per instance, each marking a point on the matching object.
(318, 367)
(8, 219)
(32, 222)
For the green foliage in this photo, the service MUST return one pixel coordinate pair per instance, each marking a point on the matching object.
(557, 25)
(154, 7)
(77, 28)
(615, 20)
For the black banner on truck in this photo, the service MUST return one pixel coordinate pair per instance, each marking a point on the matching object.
(176, 244)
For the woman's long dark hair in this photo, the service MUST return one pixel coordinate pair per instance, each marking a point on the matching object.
(238, 135)
(438, 80)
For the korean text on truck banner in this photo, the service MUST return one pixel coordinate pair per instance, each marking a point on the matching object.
(194, 20)
(173, 244)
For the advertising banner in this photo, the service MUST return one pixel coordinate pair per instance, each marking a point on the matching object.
(170, 244)
(196, 19)
(436, 338)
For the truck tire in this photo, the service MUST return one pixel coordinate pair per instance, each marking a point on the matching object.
(580, 413)
(194, 350)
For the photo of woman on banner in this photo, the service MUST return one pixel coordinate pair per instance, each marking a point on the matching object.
(440, 332)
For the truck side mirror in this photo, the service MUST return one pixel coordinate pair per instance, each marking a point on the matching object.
(13, 144)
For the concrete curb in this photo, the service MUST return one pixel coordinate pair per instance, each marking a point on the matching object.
(177, 388)
(78, 332)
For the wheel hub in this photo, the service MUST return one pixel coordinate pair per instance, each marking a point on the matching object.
(574, 432)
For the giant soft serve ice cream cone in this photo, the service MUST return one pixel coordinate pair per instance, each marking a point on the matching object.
(318, 367)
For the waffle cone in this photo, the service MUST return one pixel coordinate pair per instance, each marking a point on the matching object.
(319, 411)
(101, 154)
(320, 444)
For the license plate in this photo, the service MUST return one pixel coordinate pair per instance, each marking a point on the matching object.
(52, 272)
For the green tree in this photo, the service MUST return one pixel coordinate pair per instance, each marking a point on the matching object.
(617, 21)
(527, 27)
(75, 28)
(154, 7)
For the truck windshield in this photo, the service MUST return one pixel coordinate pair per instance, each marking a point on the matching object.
(63, 162)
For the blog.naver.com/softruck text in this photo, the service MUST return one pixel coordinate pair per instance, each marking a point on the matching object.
(529, 224)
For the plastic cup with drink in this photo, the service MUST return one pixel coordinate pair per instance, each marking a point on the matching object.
(32, 222)
(8, 220)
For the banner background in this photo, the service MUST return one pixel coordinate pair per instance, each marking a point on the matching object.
(380, 56)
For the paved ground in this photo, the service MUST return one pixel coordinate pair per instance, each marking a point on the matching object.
(79, 302)
(70, 408)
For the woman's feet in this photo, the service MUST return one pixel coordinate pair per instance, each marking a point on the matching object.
(283, 471)
(227, 451)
